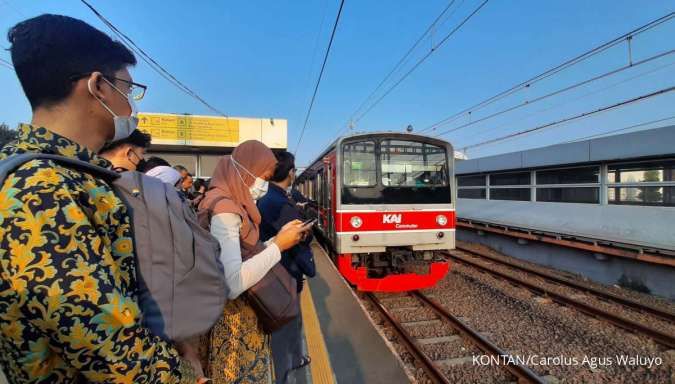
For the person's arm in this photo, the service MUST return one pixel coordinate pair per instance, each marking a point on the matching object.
(240, 275)
(78, 294)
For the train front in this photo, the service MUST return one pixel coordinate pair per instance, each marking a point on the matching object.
(395, 211)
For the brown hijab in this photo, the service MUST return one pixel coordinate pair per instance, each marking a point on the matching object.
(228, 193)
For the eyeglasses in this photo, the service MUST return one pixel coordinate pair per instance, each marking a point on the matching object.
(136, 90)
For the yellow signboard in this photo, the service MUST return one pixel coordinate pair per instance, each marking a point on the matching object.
(190, 129)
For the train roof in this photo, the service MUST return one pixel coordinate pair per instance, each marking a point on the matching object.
(657, 142)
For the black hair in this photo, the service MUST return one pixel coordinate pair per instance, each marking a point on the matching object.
(198, 183)
(50, 51)
(153, 162)
(136, 139)
(285, 163)
(180, 168)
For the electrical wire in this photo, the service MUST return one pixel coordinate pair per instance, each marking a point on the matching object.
(576, 117)
(318, 80)
(6, 64)
(576, 99)
(557, 92)
(152, 62)
(308, 78)
(403, 59)
(419, 62)
(607, 133)
(552, 71)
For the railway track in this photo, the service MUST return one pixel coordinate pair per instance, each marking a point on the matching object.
(431, 367)
(618, 320)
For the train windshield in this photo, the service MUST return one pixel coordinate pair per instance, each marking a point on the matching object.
(392, 171)
(412, 164)
(360, 164)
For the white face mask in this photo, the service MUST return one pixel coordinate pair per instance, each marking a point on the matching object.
(124, 125)
(259, 187)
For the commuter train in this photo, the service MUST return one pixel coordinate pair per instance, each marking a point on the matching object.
(385, 204)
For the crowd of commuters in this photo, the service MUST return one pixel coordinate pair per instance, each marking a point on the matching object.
(76, 301)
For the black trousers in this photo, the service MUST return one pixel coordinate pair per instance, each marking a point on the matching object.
(287, 351)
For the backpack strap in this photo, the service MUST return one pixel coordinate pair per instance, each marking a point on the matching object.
(13, 162)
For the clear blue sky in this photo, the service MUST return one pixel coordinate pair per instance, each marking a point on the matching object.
(258, 59)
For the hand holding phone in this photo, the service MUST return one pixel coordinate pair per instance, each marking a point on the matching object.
(309, 223)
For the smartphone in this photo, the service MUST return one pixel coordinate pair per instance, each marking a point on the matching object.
(309, 222)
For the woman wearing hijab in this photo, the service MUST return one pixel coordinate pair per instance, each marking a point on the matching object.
(238, 349)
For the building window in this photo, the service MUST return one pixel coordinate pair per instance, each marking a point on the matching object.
(642, 183)
(589, 195)
(471, 193)
(645, 172)
(471, 181)
(520, 194)
(207, 164)
(187, 161)
(660, 196)
(511, 178)
(579, 175)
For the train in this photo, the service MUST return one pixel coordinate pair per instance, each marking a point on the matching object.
(385, 204)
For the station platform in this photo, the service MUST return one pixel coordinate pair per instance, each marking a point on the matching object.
(339, 337)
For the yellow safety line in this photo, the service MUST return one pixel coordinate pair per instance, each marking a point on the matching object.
(320, 368)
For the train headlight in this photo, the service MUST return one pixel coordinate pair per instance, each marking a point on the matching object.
(441, 220)
(356, 222)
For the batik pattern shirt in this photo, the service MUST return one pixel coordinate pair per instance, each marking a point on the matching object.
(68, 308)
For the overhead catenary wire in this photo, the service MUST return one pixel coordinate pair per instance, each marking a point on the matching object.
(613, 131)
(420, 61)
(572, 118)
(318, 80)
(559, 91)
(154, 65)
(552, 71)
(576, 99)
(399, 64)
(404, 58)
(6, 64)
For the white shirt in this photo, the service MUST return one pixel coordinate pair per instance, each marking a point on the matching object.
(240, 275)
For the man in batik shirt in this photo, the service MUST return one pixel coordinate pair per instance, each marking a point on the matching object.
(68, 309)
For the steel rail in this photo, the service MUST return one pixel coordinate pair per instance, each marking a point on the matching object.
(622, 322)
(658, 312)
(522, 372)
(413, 346)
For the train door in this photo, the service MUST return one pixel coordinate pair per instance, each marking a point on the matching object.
(319, 200)
(325, 203)
(329, 201)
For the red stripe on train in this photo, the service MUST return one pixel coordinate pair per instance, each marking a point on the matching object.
(394, 221)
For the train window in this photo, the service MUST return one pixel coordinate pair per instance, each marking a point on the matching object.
(660, 196)
(521, 194)
(359, 164)
(645, 172)
(412, 164)
(511, 178)
(578, 175)
(471, 181)
(590, 195)
(471, 193)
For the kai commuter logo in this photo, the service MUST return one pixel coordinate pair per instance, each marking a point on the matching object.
(391, 218)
